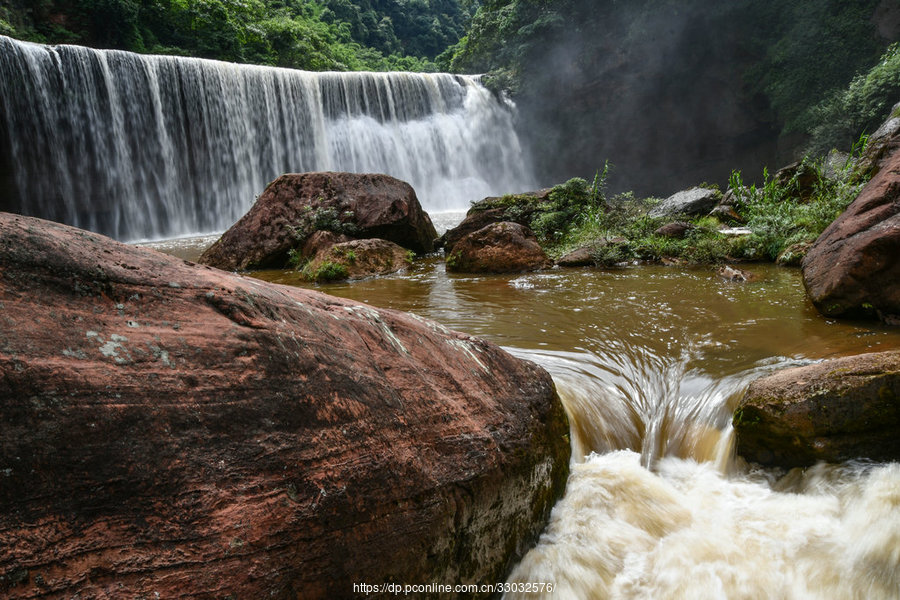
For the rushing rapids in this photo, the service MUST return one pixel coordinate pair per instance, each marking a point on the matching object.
(137, 146)
(650, 363)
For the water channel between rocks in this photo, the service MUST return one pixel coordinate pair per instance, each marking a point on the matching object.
(650, 362)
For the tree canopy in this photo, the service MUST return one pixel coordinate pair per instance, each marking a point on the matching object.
(304, 34)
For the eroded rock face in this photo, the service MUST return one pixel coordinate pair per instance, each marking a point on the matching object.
(881, 145)
(173, 429)
(852, 270)
(835, 410)
(498, 248)
(296, 205)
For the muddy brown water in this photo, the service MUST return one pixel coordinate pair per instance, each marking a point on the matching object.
(650, 363)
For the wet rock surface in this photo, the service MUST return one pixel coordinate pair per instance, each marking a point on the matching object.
(498, 248)
(296, 205)
(836, 410)
(177, 430)
(852, 269)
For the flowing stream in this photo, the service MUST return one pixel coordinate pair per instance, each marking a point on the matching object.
(146, 147)
(650, 363)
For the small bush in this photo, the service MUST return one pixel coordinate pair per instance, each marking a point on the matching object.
(779, 218)
(326, 271)
(859, 109)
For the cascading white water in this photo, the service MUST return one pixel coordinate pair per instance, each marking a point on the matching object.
(140, 146)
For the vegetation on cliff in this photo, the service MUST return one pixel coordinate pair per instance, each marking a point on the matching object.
(677, 91)
(321, 35)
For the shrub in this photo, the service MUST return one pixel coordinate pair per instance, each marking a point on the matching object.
(326, 271)
(859, 109)
(779, 218)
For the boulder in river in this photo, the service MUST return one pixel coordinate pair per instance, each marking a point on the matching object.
(516, 208)
(832, 411)
(175, 430)
(296, 205)
(852, 269)
(693, 202)
(357, 259)
(498, 248)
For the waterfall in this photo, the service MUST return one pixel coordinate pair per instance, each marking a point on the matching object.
(137, 146)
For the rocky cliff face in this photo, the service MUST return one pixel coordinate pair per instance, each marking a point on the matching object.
(852, 270)
(176, 430)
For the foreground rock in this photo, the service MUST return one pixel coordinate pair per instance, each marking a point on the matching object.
(171, 430)
(498, 248)
(880, 145)
(852, 269)
(357, 259)
(515, 208)
(296, 205)
(835, 410)
(693, 202)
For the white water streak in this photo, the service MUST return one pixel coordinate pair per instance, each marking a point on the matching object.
(150, 146)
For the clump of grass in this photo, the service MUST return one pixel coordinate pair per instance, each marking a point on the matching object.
(780, 218)
(781, 213)
(326, 271)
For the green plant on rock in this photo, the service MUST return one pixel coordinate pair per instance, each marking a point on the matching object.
(296, 260)
(779, 217)
(323, 219)
(567, 204)
(326, 271)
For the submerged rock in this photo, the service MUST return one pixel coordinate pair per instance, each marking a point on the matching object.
(852, 269)
(357, 259)
(836, 410)
(729, 273)
(498, 248)
(693, 202)
(296, 205)
(177, 430)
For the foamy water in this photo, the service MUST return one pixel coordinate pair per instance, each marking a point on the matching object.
(688, 531)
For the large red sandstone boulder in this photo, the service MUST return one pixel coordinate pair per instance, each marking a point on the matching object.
(171, 430)
(296, 205)
(835, 410)
(498, 248)
(853, 269)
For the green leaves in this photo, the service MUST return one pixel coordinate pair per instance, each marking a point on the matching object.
(338, 35)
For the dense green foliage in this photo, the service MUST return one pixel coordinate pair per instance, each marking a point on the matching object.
(858, 109)
(305, 34)
(784, 214)
(671, 91)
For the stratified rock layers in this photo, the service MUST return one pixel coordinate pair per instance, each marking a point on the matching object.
(177, 430)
